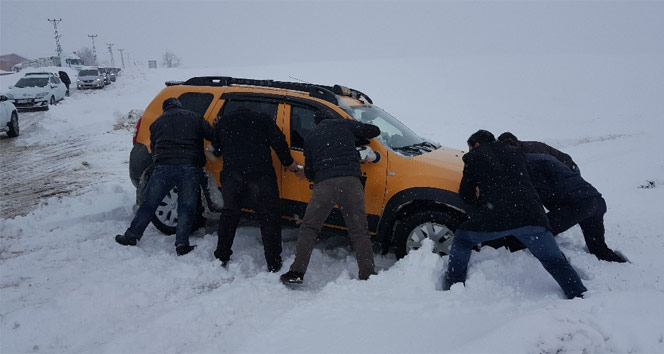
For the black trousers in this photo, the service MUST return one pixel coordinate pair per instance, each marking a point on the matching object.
(588, 213)
(261, 194)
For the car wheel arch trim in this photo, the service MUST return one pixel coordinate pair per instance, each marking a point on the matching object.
(399, 201)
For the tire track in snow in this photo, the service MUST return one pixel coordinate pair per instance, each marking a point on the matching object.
(34, 172)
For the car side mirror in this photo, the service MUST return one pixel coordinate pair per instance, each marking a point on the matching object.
(54, 86)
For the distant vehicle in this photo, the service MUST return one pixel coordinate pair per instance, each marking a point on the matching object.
(37, 90)
(107, 75)
(70, 60)
(8, 117)
(90, 78)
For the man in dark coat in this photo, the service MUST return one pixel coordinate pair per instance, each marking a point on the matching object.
(502, 201)
(333, 164)
(65, 79)
(537, 147)
(176, 141)
(570, 201)
(248, 179)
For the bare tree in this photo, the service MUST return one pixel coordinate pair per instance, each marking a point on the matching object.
(86, 55)
(170, 60)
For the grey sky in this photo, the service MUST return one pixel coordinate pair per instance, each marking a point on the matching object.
(220, 33)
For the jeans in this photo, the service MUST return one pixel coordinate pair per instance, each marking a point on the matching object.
(187, 179)
(537, 239)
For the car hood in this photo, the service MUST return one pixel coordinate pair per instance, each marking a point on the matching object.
(19, 92)
(443, 155)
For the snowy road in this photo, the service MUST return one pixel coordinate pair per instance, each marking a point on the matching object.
(34, 172)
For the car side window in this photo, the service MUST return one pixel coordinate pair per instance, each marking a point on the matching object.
(196, 101)
(267, 108)
(301, 123)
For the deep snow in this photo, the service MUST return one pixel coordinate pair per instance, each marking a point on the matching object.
(66, 286)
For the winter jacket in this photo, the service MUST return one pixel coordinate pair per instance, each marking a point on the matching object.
(64, 78)
(536, 147)
(176, 138)
(507, 199)
(244, 139)
(329, 148)
(555, 183)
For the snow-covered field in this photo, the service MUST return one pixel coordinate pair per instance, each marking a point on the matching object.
(67, 287)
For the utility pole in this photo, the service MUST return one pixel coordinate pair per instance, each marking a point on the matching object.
(94, 49)
(58, 48)
(121, 57)
(110, 50)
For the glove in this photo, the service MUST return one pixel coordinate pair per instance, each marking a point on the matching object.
(367, 154)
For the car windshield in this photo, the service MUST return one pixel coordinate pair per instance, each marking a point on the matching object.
(32, 82)
(88, 73)
(393, 133)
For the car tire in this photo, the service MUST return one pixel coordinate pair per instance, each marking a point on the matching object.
(166, 215)
(414, 228)
(13, 126)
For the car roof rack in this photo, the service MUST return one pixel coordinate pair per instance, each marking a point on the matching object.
(324, 92)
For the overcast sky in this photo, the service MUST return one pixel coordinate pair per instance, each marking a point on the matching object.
(220, 33)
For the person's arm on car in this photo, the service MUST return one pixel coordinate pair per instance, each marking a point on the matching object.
(278, 143)
(364, 130)
(468, 190)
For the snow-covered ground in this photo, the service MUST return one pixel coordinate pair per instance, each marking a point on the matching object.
(66, 286)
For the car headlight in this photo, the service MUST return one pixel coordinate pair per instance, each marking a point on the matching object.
(41, 94)
(9, 96)
(78, 80)
(98, 80)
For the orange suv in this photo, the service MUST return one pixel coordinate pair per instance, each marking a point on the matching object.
(410, 193)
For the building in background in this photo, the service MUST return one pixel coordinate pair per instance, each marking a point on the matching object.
(9, 60)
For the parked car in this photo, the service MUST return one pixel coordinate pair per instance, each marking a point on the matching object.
(411, 193)
(90, 78)
(8, 117)
(37, 90)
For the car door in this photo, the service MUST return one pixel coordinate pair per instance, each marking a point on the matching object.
(60, 88)
(296, 192)
(231, 102)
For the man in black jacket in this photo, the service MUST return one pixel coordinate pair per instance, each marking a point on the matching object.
(176, 142)
(65, 79)
(502, 201)
(538, 147)
(333, 164)
(570, 201)
(248, 179)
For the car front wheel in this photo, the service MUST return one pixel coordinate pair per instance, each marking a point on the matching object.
(433, 224)
(13, 126)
